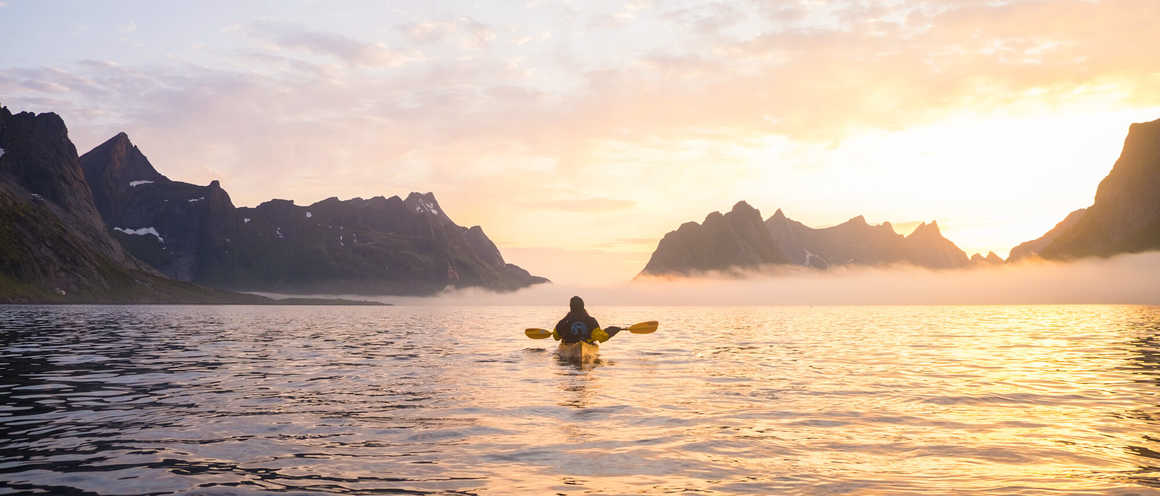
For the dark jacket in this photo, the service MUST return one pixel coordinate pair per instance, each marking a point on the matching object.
(576, 326)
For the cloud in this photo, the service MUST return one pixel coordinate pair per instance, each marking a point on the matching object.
(1126, 279)
(339, 47)
(471, 33)
(690, 110)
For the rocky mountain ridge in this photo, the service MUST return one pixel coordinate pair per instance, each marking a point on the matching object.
(1125, 216)
(737, 239)
(740, 240)
(374, 246)
(53, 245)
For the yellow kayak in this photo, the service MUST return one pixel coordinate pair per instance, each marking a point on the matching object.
(580, 352)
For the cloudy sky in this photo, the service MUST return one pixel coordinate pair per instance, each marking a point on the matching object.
(578, 132)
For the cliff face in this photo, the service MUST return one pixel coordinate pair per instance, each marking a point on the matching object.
(173, 226)
(1031, 249)
(376, 246)
(1125, 216)
(53, 244)
(740, 240)
(737, 239)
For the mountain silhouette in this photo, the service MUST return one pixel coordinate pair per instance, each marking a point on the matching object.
(740, 240)
(374, 246)
(1125, 216)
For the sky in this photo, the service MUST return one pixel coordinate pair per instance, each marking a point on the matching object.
(578, 133)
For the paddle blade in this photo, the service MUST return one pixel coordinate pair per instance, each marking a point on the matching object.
(644, 327)
(538, 333)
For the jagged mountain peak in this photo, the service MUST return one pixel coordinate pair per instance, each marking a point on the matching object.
(116, 166)
(119, 139)
(423, 203)
(738, 238)
(930, 229)
(744, 207)
(726, 241)
(990, 259)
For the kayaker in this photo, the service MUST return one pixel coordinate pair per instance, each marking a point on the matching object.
(578, 325)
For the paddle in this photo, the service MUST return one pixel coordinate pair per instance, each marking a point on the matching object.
(538, 333)
(637, 328)
(644, 327)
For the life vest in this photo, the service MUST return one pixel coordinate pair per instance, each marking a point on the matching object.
(576, 328)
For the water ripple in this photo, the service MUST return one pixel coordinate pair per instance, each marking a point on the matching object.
(442, 400)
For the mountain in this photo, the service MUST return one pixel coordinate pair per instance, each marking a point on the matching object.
(737, 239)
(926, 247)
(1030, 249)
(374, 246)
(1125, 216)
(991, 259)
(53, 245)
(173, 226)
(740, 239)
(855, 242)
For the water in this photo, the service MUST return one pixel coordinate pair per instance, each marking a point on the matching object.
(413, 400)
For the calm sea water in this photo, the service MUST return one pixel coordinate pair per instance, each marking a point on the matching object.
(415, 400)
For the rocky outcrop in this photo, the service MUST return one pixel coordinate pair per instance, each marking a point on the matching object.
(978, 260)
(856, 242)
(737, 239)
(53, 244)
(926, 247)
(1125, 216)
(373, 246)
(1031, 249)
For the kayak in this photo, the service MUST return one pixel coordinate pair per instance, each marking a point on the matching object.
(580, 352)
(586, 351)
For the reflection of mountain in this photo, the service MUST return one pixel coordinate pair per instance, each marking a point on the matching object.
(53, 245)
(739, 239)
(381, 245)
(1126, 214)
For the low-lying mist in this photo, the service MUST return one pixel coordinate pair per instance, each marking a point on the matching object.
(1123, 279)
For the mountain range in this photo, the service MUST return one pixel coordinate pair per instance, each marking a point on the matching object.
(740, 239)
(53, 244)
(366, 246)
(1124, 218)
(108, 227)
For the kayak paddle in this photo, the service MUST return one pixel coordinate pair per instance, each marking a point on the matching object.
(538, 333)
(637, 328)
(644, 327)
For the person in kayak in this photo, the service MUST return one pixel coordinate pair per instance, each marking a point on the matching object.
(577, 325)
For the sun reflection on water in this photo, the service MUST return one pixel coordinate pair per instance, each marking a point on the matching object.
(983, 399)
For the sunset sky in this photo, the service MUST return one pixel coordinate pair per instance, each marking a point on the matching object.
(579, 133)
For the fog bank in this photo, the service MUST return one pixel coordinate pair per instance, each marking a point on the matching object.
(1123, 279)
